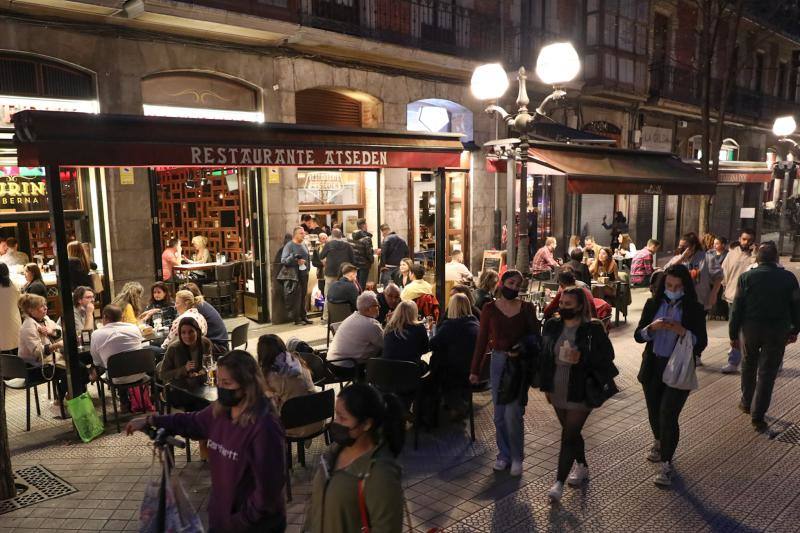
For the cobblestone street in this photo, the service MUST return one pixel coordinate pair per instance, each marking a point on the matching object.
(729, 478)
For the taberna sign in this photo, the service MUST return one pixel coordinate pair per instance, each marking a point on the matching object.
(256, 156)
(22, 187)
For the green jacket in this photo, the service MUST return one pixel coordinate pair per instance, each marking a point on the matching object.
(334, 504)
(766, 294)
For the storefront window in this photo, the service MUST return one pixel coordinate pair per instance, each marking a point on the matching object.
(23, 190)
(327, 188)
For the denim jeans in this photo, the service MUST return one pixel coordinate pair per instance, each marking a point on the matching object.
(363, 277)
(386, 275)
(508, 424)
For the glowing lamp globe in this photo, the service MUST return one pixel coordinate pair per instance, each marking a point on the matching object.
(489, 82)
(558, 63)
(784, 126)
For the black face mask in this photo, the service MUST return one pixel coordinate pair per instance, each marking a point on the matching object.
(340, 434)
(567, 314)
(509, 293)
(228, 397)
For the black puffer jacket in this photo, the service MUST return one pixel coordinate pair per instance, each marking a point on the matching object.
(363, 254)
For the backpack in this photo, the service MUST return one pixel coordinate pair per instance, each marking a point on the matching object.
(139, 397)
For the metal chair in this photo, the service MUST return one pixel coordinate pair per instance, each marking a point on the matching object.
(398, 377)
(319, 372)
(222, 292)
(122, 365)
(239, 336)
(337, 312)
(301, 411)
(14, 373)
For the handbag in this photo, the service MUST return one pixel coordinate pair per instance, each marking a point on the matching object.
(167, 491)
(680, 372)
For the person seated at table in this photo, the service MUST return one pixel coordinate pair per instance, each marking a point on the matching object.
(129, 299)
(402, 276)
(83, 309)
(589, 249)
(183, 365)
(79, 265)
(40, 345)
(186, 306)
(452, 346)
(114, 337)
(604, 266)
(458, 288)
(574, 242)
(544, 261)
(642, 263)
(9, 308)
(566, 280)
(13, 257)
(217, 331)
(170, 258)
(455, 270)
(34, 284)
(578, 267)
(287, 377)
(421, 292)
(626, 247)
(160, 302)
(487, 287)
(201, 252)
(344, 290)
(405, 338)
(359, 336)
(388, 300)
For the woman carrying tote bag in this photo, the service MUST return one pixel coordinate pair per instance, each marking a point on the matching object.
(668, 317)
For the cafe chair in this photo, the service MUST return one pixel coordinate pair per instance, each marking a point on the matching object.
(337, 312)
(483, 385)
(302, 411)
(222, 292)
(401, 378)
(315, 364)
(14, 373)
(345, 372)
(239, 336)
(121, 365)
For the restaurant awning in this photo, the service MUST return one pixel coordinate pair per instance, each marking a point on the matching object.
(733, 172)
(601, 170)
(81, 139)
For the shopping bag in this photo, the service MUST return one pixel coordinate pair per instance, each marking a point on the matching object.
(179, 516)
(85, 418)
(679, 372)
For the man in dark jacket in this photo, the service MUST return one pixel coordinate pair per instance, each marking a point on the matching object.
(345, 289)
(580, 270)
(317, 263)
(393, 250)
(335, 253)
(766, 312)
(362, 252)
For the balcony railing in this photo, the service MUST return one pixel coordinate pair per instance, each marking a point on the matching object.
(432, 25)
(675, 83)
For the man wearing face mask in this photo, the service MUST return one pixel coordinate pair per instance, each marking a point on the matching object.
(738, 261)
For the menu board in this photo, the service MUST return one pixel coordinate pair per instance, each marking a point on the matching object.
(494, 260)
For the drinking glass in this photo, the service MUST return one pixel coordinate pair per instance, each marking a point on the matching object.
(379, 287)
(208, 364)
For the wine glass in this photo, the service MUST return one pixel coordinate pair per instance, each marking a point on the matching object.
(208, 363)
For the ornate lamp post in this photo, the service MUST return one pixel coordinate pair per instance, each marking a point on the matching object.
(782, 128)
(558, 63)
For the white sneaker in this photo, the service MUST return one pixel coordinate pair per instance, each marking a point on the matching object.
(664, 478)
(516, 468)
(730, 369)
(654, 456)
(578, 475)
(500, 464)
(555, 492)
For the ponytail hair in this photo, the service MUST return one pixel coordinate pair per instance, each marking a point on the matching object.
(365, 402)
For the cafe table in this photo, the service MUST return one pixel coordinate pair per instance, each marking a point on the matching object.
(204, 393)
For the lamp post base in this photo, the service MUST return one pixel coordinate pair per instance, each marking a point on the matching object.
(795, 249)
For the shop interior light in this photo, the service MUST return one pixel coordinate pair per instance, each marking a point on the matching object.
(558, 63)
(434, 118)
(199, 112)
(784, 126)
(489, 82)
(18, 103)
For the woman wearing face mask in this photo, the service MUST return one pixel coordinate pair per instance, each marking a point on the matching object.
(670, 314)
(504, 323)
(183, 364)
(573, 347)
(357, 484)
(246, 449)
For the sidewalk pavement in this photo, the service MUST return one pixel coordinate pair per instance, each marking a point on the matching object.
(729, 478)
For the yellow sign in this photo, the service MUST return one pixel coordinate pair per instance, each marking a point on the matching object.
(274, 175)
(126, 176)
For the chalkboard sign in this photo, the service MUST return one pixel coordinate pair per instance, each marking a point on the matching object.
(494, 260)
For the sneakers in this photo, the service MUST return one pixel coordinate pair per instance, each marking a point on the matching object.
(654, 456)
(664, 478)
(730, 369)
(516, 468)
(555, 492)
(500, 465)
(579, 473)
(760, 425)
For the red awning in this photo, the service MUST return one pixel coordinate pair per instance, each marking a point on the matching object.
(599, 170)
(78, 139)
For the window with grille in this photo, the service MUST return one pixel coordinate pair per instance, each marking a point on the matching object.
(22, 75)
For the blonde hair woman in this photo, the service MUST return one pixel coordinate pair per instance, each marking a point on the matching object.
(186, 306)
(574, 242)
(129, 300)
(201, 252)
(405, 338)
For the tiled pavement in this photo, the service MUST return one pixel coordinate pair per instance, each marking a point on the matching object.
(729, 477)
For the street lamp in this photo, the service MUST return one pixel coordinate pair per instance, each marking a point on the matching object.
(558, 63)
(782, 128)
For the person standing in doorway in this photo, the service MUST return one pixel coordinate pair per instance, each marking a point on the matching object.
(335, 253)
(317, 263)
(393, 250)
(295, 255)
(504, 323)
(766, 311)
(363, 253)
(738, 260)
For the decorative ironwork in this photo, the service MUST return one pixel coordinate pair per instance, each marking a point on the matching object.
(39, 484)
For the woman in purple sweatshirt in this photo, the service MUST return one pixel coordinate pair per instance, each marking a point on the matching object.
(245, 448)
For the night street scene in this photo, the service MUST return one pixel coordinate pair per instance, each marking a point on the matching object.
(399, 266)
